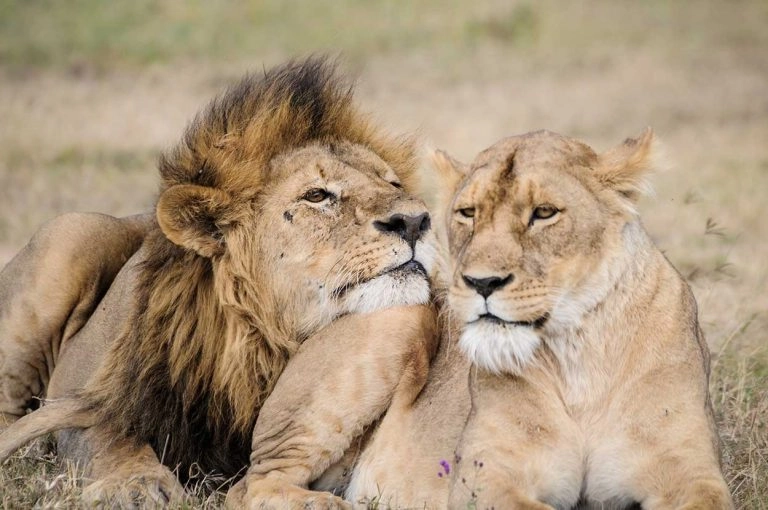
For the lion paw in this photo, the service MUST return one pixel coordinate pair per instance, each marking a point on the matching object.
(155, 488)
(267, 494)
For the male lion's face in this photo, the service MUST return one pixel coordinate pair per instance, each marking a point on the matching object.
(338, 234)
(529, 226)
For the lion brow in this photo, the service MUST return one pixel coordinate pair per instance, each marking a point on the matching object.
(509, 165)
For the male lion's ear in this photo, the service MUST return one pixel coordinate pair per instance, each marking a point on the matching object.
(193, 216)
(625, 168)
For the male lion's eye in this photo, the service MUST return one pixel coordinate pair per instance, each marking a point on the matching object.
(396, 184)
(543, 212)
(316, 195)
(467, 212)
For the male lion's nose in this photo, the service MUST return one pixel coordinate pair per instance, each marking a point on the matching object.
(487, 286)
(410, 228)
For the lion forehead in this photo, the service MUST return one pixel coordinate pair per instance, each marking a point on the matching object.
(539, 148)
(335, 161)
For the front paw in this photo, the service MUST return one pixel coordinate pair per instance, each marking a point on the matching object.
(151, 488)
(266, 494)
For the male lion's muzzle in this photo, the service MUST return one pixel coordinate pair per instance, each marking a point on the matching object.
(409, 227)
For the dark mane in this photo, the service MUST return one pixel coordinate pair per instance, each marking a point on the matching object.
(266, 114)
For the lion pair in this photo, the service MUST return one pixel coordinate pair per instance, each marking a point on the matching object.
(290, 290)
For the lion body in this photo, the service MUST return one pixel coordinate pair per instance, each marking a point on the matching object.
(281, 210)
(589, 373)
(69, 266)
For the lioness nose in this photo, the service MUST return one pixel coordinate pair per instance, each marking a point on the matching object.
(410, 228)
(487, 286)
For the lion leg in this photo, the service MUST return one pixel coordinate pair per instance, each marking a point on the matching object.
(49, 291)
(673, 482)
(678, 475)
(120, 473)
(678, 472)
(398, 467)
(492, 489)
(520, 449)
(667, 442)
(703, 494)
(363, 364)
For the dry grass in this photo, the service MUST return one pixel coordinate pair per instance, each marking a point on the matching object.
(35, 477)
(90, 94)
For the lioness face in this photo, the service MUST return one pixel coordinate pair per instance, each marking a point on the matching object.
(341, 235)
(529, 227)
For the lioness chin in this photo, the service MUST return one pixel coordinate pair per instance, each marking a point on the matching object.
(588, 372)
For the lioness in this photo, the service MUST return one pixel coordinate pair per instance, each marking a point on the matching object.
(284, 223)
(589, 372)
(589, 379)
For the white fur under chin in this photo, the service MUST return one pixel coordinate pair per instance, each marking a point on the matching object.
(427, 255)
(387, 291)
(499, 348)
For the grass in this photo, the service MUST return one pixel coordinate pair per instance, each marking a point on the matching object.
(92, 91)
(91, 32)
(741, 400)
(108, 35)
(35, 477)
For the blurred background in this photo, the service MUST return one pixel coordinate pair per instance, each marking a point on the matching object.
(91, 91)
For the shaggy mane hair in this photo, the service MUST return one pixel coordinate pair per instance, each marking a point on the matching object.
(204, 347)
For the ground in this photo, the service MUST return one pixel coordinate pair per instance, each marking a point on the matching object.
(90, 92)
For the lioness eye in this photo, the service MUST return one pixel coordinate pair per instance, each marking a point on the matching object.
(316, 195)
(543, 212)
(467, 212)
(396, 185)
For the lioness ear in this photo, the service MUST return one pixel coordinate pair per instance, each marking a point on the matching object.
(625, 168)
(450, 173)
(450, 170)
(192, 216)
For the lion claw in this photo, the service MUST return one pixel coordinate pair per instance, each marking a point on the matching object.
(158, 488)
(267, 494)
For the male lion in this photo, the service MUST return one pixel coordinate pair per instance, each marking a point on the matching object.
(589, 373)
(283, 224)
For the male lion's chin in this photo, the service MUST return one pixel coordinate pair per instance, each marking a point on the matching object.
(498, 347)
(387, 291)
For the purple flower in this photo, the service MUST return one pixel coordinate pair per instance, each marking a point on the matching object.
(446, 466)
